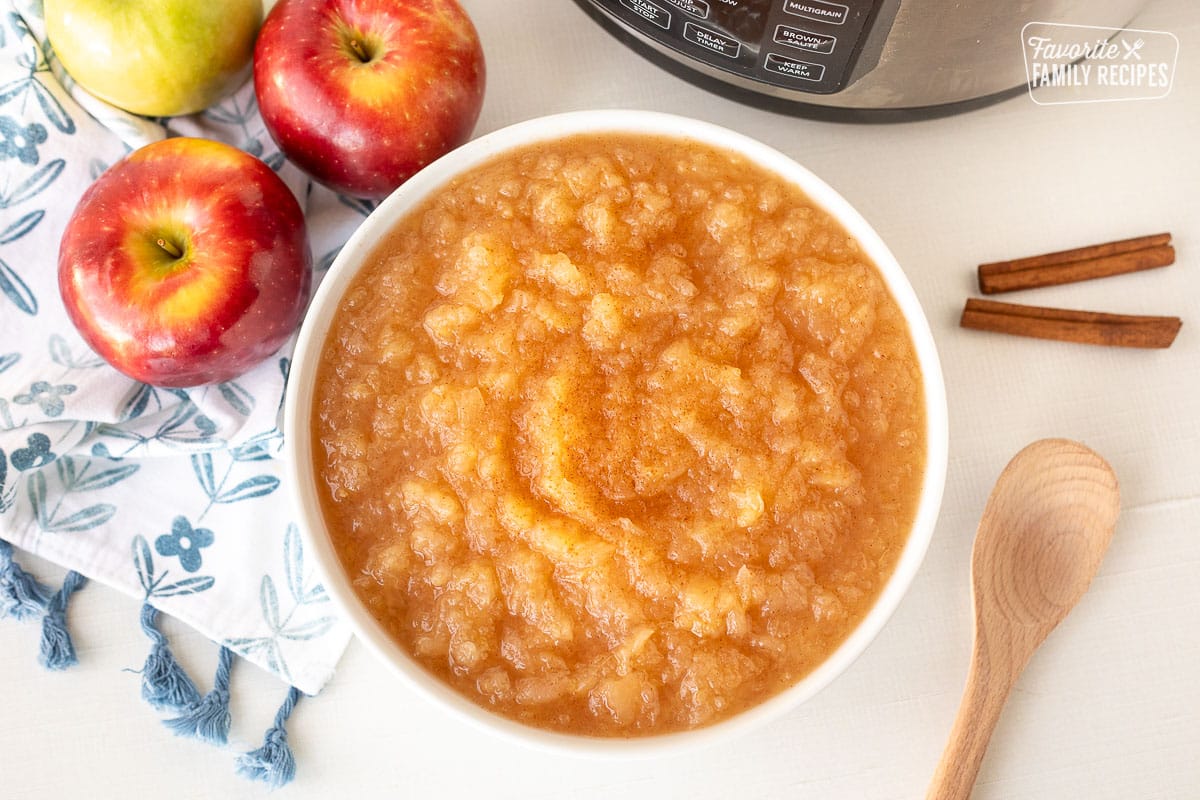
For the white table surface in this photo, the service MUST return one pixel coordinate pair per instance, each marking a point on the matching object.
(1108, 708)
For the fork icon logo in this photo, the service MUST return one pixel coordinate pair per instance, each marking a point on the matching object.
(1069, 63)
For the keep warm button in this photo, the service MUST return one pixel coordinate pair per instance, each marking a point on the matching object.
(794, 68)
(712, 40)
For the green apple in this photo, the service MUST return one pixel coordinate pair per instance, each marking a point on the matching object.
(160, 58)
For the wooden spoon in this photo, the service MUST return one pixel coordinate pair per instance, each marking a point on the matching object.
(1043, 533)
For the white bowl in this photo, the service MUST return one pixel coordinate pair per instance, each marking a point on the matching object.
(298, 410)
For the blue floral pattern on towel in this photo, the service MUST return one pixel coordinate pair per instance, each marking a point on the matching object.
(20, 142)
(47, 396)
(304, 619)
(172, 495)
(184, 542)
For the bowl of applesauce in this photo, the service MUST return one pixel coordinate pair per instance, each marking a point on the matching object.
(616, 432)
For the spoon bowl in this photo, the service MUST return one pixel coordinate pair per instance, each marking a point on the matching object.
(1043, 534)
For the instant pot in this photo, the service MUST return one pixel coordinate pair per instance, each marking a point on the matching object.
(857, 60)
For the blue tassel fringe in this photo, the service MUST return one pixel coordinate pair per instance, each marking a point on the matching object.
(273, 763)
(209, 719)
(21, 595)
(57, 650)
(165, 685)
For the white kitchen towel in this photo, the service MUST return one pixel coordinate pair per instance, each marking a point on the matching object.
(172, 496)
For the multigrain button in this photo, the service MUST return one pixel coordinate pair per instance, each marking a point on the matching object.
(804, 40)
(794, 68)
(649, 11)
(833, 13)
(712, 40)
(697, 8)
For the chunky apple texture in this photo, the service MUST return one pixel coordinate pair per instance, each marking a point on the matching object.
(619, 435)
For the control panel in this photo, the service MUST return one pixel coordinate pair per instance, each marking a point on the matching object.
(805, 45)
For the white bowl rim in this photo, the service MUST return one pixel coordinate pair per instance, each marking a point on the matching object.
(298, 444)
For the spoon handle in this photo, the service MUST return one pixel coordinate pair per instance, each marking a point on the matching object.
(982, 700)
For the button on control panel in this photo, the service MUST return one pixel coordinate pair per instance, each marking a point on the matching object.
(697, 8)
(794, 67)
(651, 11)
(802, 39)
(819, 10)
(712, 40)
(806, 45)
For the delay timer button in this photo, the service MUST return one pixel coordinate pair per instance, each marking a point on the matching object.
(713, 41)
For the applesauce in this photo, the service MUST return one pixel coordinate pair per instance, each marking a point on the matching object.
(618, 434)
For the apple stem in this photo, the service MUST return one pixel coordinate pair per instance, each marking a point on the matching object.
(360, 50)
(171, 249)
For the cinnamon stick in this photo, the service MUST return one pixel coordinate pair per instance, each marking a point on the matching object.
(1079, 264)
(1065, 325)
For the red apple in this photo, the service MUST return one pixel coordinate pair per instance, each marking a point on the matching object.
(361, 94)
(185, 263)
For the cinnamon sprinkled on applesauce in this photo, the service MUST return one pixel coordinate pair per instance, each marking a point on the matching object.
(619, 434)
